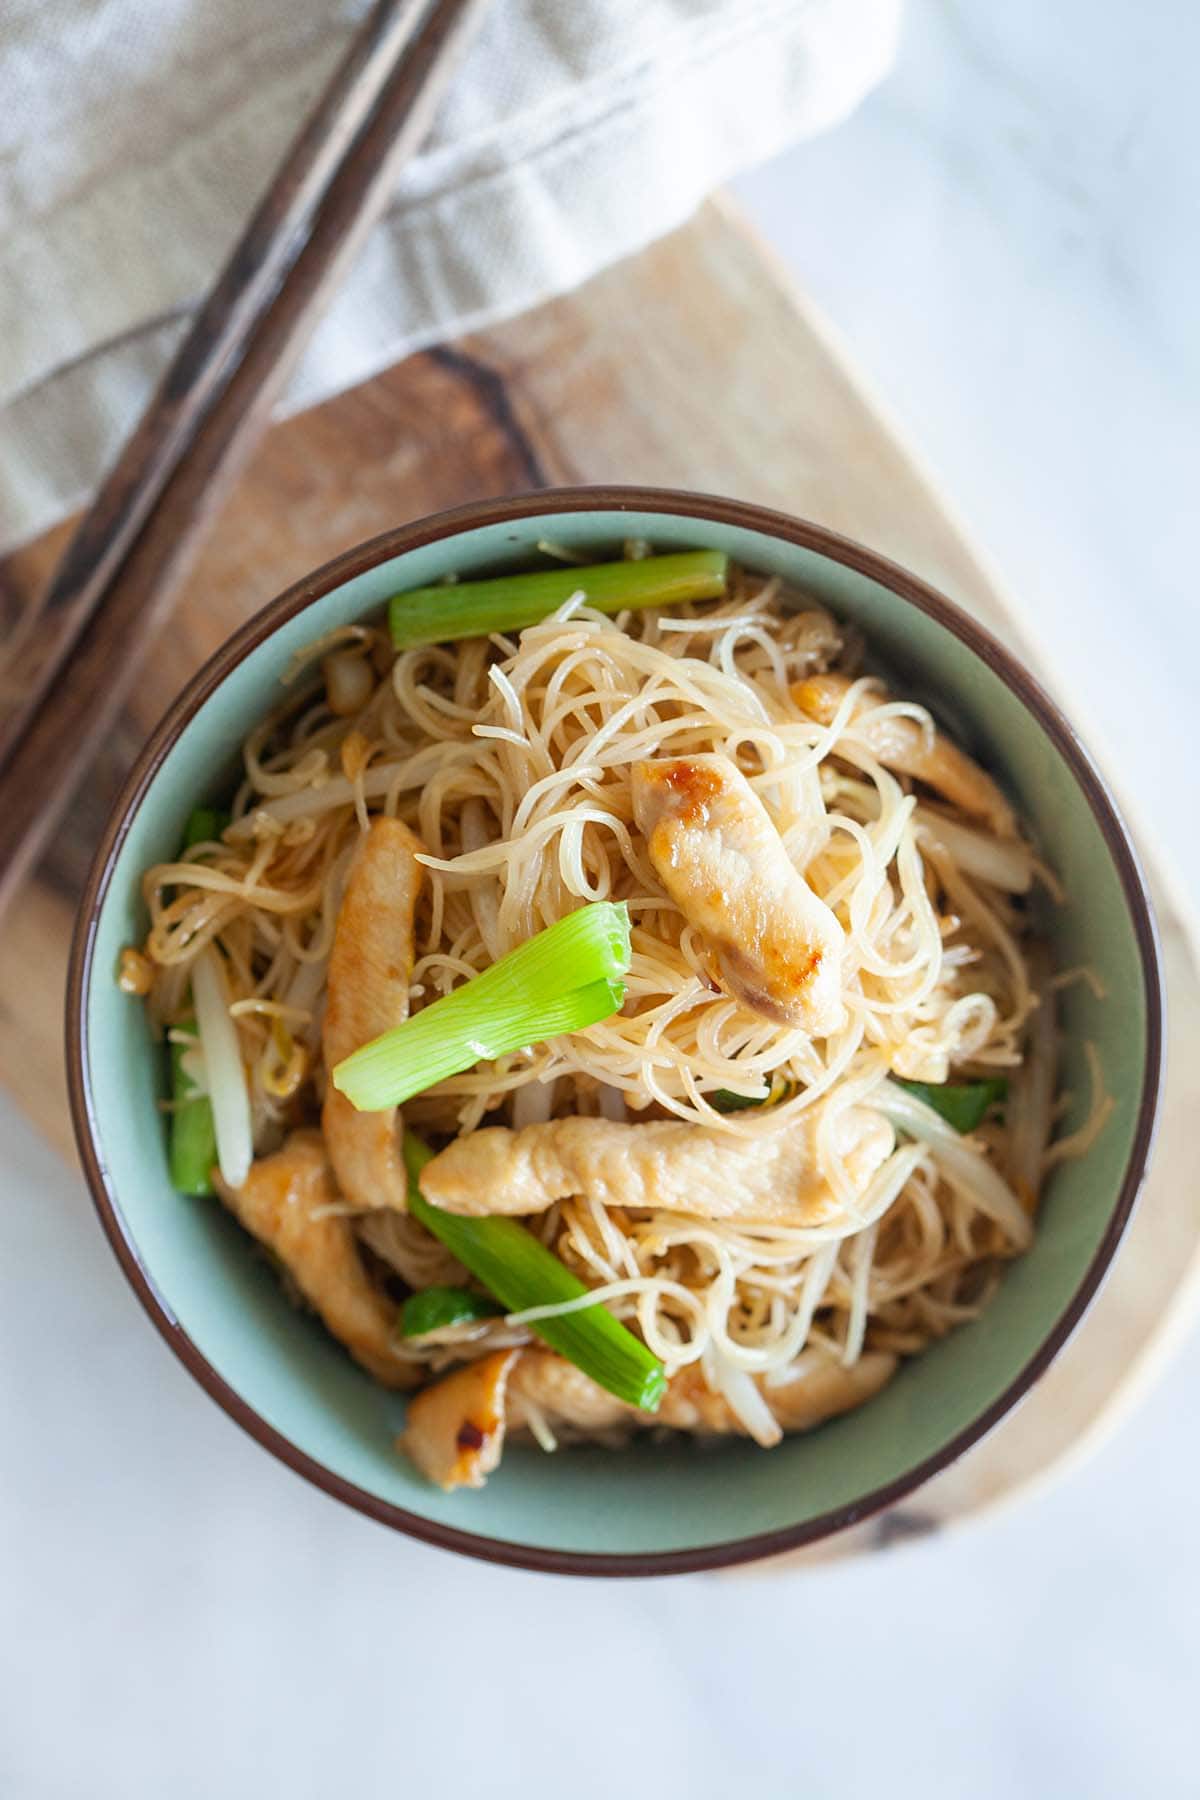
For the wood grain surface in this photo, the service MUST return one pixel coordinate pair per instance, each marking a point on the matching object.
(694, 364)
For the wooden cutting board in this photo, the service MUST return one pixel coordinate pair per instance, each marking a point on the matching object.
(695, 365)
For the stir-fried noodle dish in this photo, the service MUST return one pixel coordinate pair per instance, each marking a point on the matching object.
(612, 1007)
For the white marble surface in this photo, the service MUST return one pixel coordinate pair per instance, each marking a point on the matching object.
(1002, 235)
(183, 1618)
(1007, 235)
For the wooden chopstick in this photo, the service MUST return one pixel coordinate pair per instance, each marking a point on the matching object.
(37, 649)
(153, 511)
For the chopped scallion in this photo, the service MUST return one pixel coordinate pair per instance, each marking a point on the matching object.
(962, 1104)
(193, 1139)
(521, 1272)
(436, 1308)
(726, 1101)
(205, 823)
(563, 979)
(438, 615)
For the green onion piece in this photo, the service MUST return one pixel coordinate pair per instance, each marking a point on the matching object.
(521, 1272)
(435, 1308)
(205, 823)
(726, 1101)
(563, 979)
(962, 1104)
(433, 1045)
(439, 615)
(193, 1140)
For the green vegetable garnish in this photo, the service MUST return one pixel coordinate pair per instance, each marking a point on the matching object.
(521, 1272)
(435, 1308)
(193, 1139)
(725, 1101)
(192, 1149)
(563, 979)
(204, 823)
(961, 1104)
(438, 615)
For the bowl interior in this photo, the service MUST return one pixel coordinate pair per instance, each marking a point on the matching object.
(656, 1499)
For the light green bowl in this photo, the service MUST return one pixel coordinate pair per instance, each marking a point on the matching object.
(654, 1508)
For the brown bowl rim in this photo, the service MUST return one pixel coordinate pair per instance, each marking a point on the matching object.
(434, 528)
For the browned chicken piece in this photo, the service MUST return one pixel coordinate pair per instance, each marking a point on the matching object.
(664, 1164)
(455, 1429)
(817, 1395)
(721, 860)
(568, 1399)
(280, 1204)
(900, 743)
(370, 969)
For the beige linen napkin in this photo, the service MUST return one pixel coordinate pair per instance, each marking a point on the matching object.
(136, 134)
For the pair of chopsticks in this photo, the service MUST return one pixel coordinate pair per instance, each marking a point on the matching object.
(70, 663)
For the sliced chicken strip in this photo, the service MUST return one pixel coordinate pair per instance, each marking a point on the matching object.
(455, 1429)
(900, 743)
(370, 969)
(567, 1398)
(723, 863)
(663, 1164)
(280, 1204)
(816, 1395)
